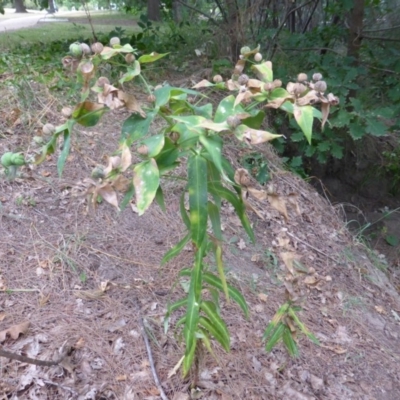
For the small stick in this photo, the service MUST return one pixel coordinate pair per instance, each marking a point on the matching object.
(149, 353)
(34, 361)
(314, 248)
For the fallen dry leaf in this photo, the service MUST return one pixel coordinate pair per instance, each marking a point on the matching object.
(380, 310)
(241, 244)
(14, 331)
(288, 258)
(278, 202)
(263, 297)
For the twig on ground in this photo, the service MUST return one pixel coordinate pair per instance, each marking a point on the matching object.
(314, 248)
(135, 302)
(34, 361)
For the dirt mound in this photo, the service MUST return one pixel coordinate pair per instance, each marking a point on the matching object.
(82, 282)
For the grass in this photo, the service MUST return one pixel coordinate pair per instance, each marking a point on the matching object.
(48, 32)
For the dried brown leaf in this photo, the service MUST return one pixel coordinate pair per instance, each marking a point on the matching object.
(260, 195)
(242, 177)
(108, 194)
(325, 113)
(131, 103)
(292, 199)
(14, 331)
(126, 158)
(278, 202)
(288, 258)
(311, 98)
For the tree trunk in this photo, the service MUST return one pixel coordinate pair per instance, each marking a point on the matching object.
(355, 23)
(176, 11)
(20, 6)
(234, 28)
(52, 9)
(153, 10)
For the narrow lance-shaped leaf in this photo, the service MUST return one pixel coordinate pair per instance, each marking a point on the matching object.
(193, 308)
(198, 198)
(146, 180)
(176, 249)
(213, 145)
(275, 336)
(213, 212)
(64, 153)
(221, 272)
(219, 325)
(289, 342)
(208, 325)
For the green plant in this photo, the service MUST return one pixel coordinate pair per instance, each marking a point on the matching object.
(193, 135)
(284, 326)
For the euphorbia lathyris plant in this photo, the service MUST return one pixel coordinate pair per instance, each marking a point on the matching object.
(194, 135)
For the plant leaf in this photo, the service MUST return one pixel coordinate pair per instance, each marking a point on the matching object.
(149, 58)
(213, 212)
(264, 71)
(154, 144)
(146, 180)
(197, 185)
(176, 249)
(289, 342)
(64, 153)
(221, 273)
(275, 336)
(135, 127)
(217, 322)
(227, 108)
(234, 294)
(304, 117)
(208, 325)
(213, 145)
(88, 113)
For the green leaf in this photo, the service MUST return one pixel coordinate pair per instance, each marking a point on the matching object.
(203, 335)
(392, 240)
(337, 150)
(289, 108)
(234, 294)
(204, 110)
(189, 355)
(135, 127)
(192, 122)
(149, 58)
(214, 214)
(182, 209)
(176, 249)
(304, 117)
(227, 108)
(164, 94)
(213, 145)
(88, 113)
(254, 121)
(128, 196)
(217, 323)
(357, 131)
(146, 180)
(193, 309)
(289, 342)
(109, 52)
(131, 73)
(264, 71)
(275, 336)
(187, 137)
(324, 146)
(375, 127)
(208, 325)
(167, 156)
(160, 199)
(64, 153)
(154, 144)
(197, 185)
(217, 189)
(220, 269)
(175, 306)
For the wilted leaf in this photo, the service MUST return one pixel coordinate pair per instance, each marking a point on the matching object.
(202, 84)
(88, 113)
(131, 103)
(278, 202)
(114, 162)
(108, 194)
(126, 158)
(325, 113)
(242, 177)
(260, 195)
(254, 136)
(14, 331)
(288, 258)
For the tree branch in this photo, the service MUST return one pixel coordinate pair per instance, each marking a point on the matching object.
(211, 19)
(379, 38)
